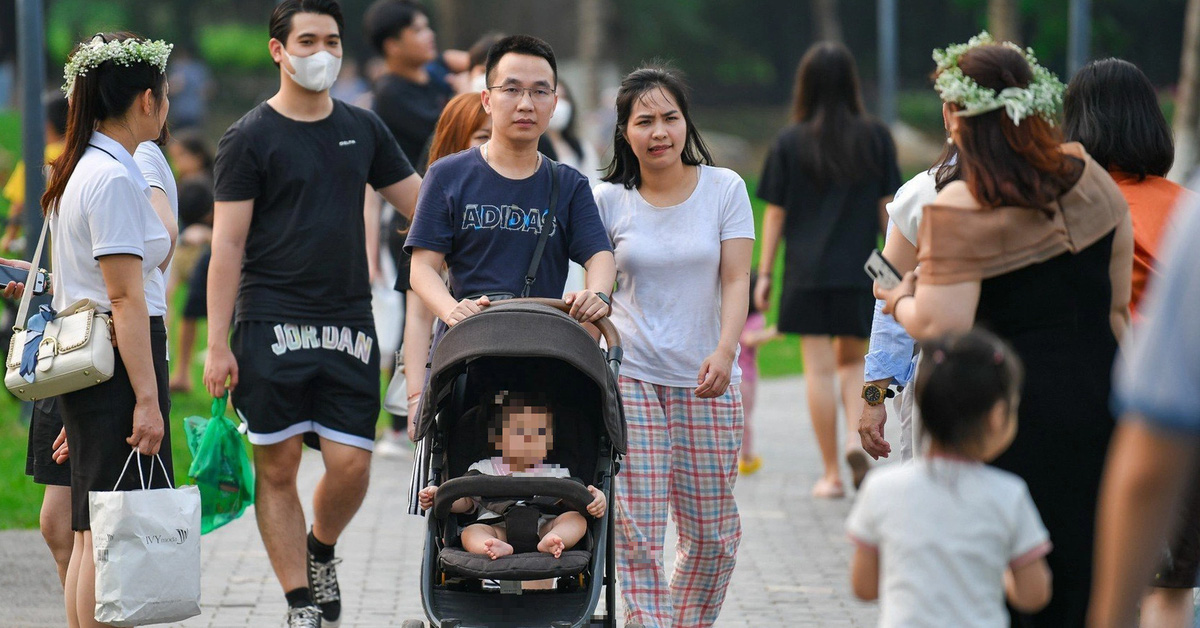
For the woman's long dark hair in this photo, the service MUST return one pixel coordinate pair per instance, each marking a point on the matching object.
(625, 168)
(1002, 162)
(569, 133)
(828, 107)
(1110, 107)
(106, 92)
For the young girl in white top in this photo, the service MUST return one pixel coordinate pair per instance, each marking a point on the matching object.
(682, 233)
(944, 541)
(108, 240)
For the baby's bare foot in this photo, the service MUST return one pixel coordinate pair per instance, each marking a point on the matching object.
(552, 544)
(497, 548)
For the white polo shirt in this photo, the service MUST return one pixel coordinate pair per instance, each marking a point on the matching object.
(105, 210)
(157, 172)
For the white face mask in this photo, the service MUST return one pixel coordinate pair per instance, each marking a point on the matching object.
(561, 117)
(316, 72)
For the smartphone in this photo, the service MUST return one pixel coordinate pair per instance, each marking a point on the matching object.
(882, 271)
(19, 275)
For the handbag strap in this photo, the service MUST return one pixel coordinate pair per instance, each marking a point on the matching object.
(27, 295)
(547, 227)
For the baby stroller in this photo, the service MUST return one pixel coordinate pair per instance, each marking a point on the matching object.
(526, 344)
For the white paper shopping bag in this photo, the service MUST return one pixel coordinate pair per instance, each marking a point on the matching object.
(147, 553)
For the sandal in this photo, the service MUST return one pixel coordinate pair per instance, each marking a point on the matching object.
(859, 466)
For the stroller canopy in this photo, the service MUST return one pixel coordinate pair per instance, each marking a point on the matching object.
(523, 330)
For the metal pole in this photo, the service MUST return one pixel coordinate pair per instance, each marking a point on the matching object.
(31, 55)
(889, 53)
(1078, 49)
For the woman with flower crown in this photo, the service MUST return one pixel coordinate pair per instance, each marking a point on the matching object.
(1034, 243)
(108, 243)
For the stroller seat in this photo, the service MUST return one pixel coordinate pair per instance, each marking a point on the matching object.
(539, 566)
(527, 566)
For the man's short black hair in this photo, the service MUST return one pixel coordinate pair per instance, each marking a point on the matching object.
(56, 108)
(281, 19)
(522, 45)
(386, 18)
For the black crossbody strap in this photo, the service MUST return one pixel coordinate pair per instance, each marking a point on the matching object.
(547, 227)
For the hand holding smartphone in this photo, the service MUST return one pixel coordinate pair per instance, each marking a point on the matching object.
(19, 275)
(882, 271)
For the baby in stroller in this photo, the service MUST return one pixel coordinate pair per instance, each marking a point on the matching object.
(523, 433)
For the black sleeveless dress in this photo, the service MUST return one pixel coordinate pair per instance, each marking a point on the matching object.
(1056, 315)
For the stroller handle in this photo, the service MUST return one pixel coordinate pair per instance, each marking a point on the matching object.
(607, 329)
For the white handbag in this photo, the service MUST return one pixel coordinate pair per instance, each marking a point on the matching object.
(75, 350)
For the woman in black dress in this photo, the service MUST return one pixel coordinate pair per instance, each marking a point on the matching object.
(826, 182)
(1034, 243)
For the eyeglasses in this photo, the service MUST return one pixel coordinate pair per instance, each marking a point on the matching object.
(539, 95)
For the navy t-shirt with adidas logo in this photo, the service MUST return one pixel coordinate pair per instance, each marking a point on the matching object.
(488, 225)
(306, 257)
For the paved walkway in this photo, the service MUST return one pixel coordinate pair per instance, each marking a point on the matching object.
(792, 566)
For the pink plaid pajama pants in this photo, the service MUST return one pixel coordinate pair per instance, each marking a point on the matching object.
(683, 455)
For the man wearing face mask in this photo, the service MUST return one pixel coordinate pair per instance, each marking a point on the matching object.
(290, 243)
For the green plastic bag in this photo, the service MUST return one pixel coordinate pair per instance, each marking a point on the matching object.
(220, 467)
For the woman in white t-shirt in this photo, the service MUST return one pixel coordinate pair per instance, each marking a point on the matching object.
(682, 233)
(109, 247)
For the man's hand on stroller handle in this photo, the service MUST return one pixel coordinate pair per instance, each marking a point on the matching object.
(599, 503)
(587, 306)
(465, 309)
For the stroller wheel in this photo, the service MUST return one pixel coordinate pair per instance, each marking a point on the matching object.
(412, 623)
(451, 623)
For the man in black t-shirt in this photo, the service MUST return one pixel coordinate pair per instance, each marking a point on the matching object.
(289, 241)
(407, 98)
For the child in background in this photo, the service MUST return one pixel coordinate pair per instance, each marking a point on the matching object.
(951, 532)
(754, 334)
(524, 437)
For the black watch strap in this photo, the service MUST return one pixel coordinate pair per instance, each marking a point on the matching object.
(604, 297)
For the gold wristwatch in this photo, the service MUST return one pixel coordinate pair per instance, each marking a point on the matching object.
(875, 395)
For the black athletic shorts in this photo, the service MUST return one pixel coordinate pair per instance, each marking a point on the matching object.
(297, 378)
(99, 419)
(44, 428)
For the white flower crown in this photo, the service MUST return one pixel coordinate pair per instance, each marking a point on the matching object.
(1043, 96)
(125, 52)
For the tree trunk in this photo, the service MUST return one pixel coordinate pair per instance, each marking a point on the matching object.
(1003, 20)
(592, 30)
(1187, 107)
(825, 17)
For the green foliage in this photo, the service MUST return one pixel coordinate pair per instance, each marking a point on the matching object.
(69, 21)
(922, 110)
(235, 46)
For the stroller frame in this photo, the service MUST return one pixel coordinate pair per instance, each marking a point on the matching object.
(463, 602)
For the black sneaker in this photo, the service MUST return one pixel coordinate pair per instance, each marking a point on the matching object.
(303, 617)
(322, 580)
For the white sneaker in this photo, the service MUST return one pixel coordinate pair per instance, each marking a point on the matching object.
(303, 617)
(393, 444)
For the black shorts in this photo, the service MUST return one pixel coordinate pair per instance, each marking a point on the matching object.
(196, 305)
(827, 312)
(297, 378)
(99, 419)
(44, 428)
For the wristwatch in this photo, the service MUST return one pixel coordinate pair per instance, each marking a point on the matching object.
(875, 395)
(604, 297)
